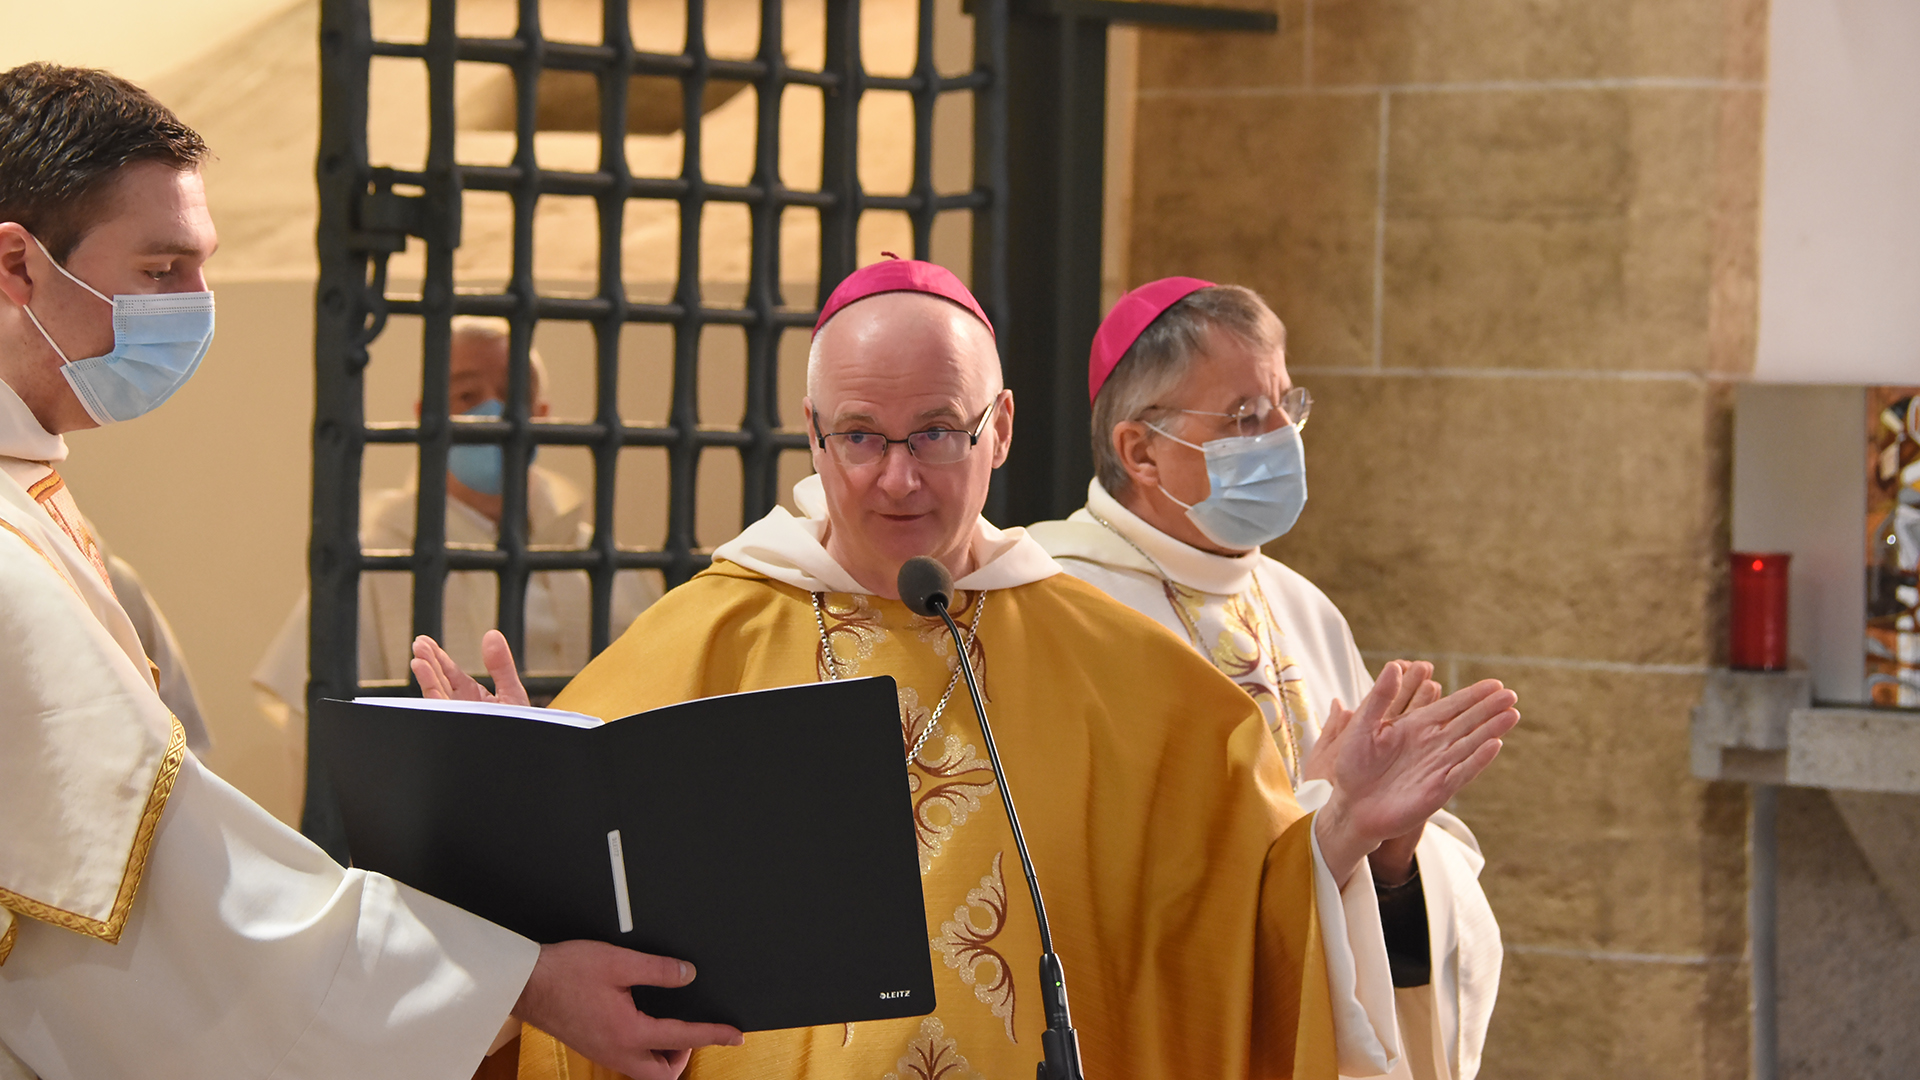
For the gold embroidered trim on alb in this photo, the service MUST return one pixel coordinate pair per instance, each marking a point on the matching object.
(6, 939)
(108, 930)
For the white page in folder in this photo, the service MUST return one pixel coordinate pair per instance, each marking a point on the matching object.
(489, 708)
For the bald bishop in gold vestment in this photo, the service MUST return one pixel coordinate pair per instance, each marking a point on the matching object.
(1199, 936)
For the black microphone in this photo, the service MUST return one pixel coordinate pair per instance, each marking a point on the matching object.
(927, 588)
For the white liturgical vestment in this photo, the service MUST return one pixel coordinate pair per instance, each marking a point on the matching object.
(1279, 637)
(156, 923)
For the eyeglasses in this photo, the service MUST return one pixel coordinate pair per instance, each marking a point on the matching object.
(1256, 416)
(934, 446)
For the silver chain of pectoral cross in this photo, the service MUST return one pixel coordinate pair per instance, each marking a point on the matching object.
(833, 666)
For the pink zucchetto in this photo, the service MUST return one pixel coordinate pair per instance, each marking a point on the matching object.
(900, 275)
(1129, 319)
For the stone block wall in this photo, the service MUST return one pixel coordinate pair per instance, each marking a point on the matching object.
(1514, 242)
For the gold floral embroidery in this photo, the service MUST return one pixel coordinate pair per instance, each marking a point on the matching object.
(957, 779)
(1186, 604)
(963, 943)
(934, 633)
(932, 1056)
(1248, 650)
(853, 628)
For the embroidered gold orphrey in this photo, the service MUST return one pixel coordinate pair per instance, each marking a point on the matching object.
(1250, 650)
(50, 491)
(109, 929)
(948, 781)
(950, 777)
(966, 946)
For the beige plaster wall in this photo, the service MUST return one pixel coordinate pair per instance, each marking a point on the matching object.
(1515, 245)
(207, 498)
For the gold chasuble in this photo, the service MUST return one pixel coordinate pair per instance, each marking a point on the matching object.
(1178, 869)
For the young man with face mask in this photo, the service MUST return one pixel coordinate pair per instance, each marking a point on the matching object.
(1199, 461)
(154, 922)
(559, 603)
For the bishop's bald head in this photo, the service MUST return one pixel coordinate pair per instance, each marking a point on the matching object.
(908, 417)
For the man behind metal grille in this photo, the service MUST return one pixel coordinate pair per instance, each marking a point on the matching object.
(559, 603)
(1208, 925)
(155, 922)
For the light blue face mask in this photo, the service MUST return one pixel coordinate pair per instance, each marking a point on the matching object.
(1259, 487)
(158, 342)
(481, 466)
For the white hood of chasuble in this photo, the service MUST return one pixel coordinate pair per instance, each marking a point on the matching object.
(789, 549)
(1128, 542)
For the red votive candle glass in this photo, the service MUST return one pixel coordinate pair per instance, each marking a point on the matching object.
(1757, 611)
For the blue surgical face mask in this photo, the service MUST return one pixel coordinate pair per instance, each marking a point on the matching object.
(481, 466)
(1259, 487)
(158, 342)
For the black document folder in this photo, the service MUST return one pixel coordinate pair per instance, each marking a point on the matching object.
(765, 837)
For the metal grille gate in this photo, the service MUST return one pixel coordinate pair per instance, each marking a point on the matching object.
(367, 213)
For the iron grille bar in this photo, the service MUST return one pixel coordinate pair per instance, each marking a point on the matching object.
(343, 312)
(482, 559)
(664, 188)
(610, 433)
(571, 56)
(369, 210)
(683, 457)
(587, 309)
(553, 434)
(760, 419)
(839, 159)
(436, 308)
(513, 531)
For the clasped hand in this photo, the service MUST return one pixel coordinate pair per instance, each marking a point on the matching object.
(1398, 758)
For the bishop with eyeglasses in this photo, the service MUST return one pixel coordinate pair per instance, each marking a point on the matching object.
(1213, 923)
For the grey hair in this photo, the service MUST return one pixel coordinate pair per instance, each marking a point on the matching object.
(494, 328)
(1163, 355)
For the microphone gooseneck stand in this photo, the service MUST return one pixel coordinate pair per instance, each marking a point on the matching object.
(925, 587)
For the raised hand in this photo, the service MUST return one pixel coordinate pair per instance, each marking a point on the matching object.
(1393, 860)
(441, 678)
(578, 994)
(1391, 772)
(1415, 689)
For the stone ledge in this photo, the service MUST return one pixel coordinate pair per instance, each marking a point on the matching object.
(1763, 728)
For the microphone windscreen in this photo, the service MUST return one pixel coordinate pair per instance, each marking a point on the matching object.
(921, 579)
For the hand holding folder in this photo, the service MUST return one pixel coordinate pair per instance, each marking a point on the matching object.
(765, 837)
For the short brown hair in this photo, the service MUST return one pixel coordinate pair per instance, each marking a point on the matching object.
(1160, 357)
(65, 134)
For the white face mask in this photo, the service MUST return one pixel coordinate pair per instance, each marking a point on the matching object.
(158, 342)
(1259, 487)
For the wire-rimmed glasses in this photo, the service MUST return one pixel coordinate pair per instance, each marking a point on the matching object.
(1256, 416)
(934, 446)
